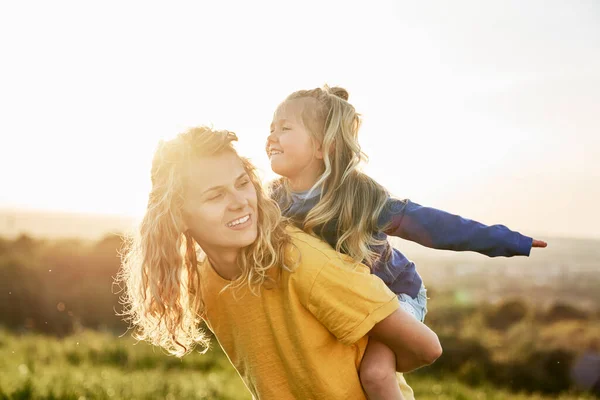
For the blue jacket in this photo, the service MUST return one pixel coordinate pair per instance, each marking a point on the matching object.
(424, 225)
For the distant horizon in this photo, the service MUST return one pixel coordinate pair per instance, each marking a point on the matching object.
(134, 220)
(11, 208)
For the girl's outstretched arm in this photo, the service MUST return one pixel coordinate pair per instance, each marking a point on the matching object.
(441, 230)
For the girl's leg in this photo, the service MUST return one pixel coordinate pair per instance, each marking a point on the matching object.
(378, 372)
(378, 366)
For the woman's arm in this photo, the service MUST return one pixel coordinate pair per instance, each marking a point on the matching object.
(414, 344)
(352, 303)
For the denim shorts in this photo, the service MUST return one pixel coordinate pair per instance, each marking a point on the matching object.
(415, 307)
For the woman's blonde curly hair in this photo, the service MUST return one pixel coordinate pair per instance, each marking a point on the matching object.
(161, 293)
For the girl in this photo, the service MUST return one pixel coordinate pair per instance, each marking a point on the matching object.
(313, 145)
(290, 314)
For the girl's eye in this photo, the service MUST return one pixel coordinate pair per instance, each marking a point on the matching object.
(285, 128)
(245, 182)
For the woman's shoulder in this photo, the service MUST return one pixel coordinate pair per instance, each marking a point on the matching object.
(308, 245)
(312, 256)
(312, 252)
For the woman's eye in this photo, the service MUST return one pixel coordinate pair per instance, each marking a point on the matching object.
(245, 182)
(215, 196)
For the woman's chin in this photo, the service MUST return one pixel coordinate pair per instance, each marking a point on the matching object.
(248, 237)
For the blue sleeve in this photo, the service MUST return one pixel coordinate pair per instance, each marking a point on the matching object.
(441, 230)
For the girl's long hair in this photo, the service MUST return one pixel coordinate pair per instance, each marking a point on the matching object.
(162, 294)
(349, 196)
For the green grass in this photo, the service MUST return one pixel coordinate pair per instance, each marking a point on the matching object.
(93, 365)
(427, 388)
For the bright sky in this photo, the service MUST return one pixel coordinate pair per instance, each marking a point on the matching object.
(488, 109)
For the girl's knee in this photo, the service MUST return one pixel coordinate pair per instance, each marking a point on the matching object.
(374, 374)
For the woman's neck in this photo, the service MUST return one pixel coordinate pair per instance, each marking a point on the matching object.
(224, 262)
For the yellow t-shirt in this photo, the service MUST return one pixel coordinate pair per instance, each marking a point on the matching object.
(305, 338)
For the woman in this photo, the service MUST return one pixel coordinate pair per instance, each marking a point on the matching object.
(292, 315)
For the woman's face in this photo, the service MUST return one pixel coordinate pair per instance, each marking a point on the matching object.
(220, 205)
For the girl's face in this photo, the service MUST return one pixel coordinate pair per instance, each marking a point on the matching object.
(291, 149)
(220, 206)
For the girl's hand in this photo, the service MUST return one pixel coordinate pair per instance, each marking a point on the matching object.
(539, 243)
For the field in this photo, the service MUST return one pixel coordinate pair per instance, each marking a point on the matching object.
(510, 328)
(94, 365)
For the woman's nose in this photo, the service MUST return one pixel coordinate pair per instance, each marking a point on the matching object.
(238, 200)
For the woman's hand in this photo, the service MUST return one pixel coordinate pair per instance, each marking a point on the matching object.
(413, 343)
